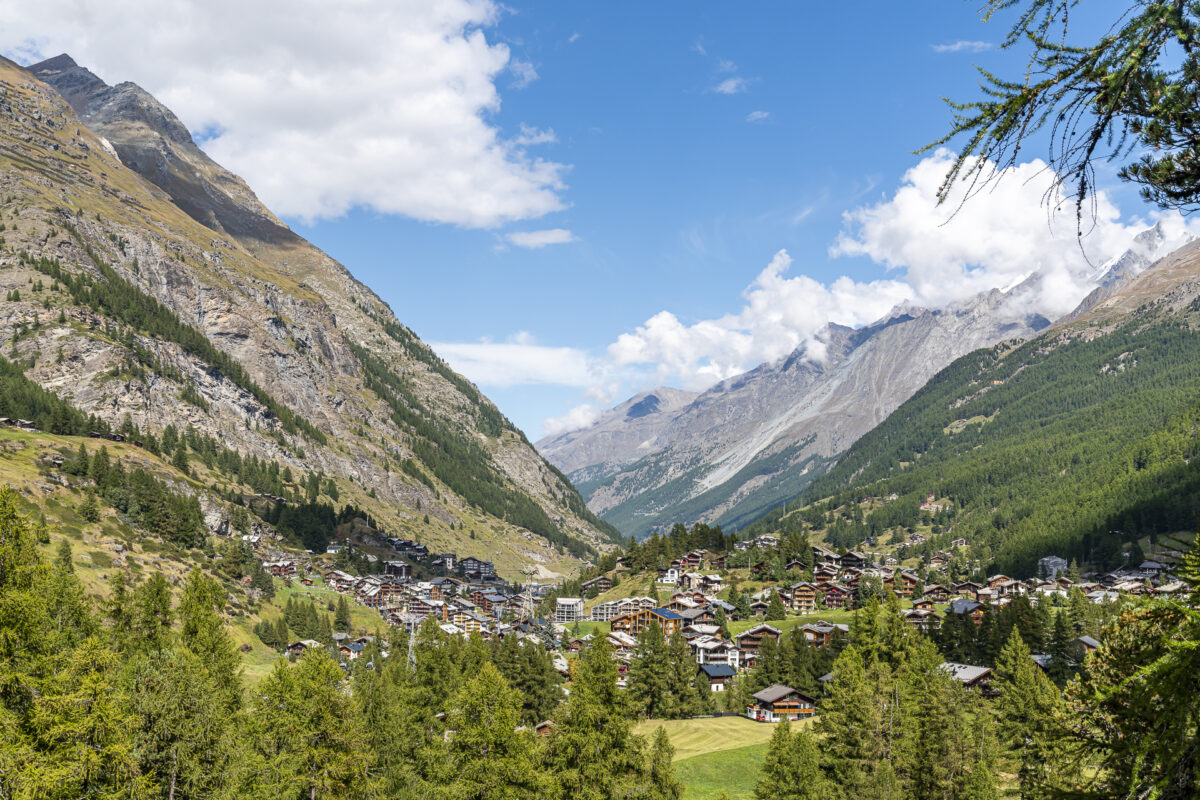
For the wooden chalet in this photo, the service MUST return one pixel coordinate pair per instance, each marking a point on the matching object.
(937, 593)
(750, 641)
(777, 703)
(803, 597)
(637, 621)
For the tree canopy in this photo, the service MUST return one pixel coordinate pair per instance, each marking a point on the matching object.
(1130, 97)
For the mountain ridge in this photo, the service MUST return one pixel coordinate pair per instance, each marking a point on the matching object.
(313, 338)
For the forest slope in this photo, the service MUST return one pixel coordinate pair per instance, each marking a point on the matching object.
(1068, 444)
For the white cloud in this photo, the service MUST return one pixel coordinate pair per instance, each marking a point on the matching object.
(523, 72)
(995, 240)
(530, 136)
(518, 361)
(321, 107)
(962, 46)
(730, 86)
(573, 38)
(578, 417)
(780, 314)
(536, 239)
(757, 116)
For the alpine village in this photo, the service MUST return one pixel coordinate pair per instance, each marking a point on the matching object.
(257, 539)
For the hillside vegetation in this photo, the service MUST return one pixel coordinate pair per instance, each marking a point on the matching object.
(1067, 444)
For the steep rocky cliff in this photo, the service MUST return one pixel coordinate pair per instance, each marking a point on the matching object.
(295, 362)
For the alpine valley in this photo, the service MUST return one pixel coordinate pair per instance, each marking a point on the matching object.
(729, 454)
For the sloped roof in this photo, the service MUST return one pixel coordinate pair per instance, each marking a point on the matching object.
(964, 673)
(776, 692)
(718, 670)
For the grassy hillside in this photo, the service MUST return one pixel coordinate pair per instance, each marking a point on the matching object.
(114, 543)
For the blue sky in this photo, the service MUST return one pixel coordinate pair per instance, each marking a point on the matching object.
(694, 164)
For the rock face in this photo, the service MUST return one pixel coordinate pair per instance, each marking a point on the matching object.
(755, 441)
(95, 177)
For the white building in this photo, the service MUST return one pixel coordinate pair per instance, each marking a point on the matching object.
(568, 609)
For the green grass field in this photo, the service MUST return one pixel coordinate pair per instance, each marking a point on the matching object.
(695, 737)
(732, 772)
(715, 755)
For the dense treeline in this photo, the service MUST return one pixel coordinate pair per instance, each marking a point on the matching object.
(149, 502)
(121, 300)
(139, 696)
(457, 461)
(1046, 447)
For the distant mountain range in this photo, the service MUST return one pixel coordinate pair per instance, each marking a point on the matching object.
(754, 441)
(185, 302)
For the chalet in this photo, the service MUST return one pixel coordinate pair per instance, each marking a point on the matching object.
(716, 560)
(959, 543)
(968, 589)
(750, 641)
(971, 608)
(937, 593)
(444, 561)
(638, 621)
(280, 569)
(339, 581)
(905, 583)
(823, 556)
(821, 633)
(825, 572)
(717, 675)
(803, 597)
(924, 619)
(766, 542)
(1087, 644)
(795, 565)
(759, 608)
(596, 586)
(544, 728)
(494, 603)
(691, 559)
(400, 569)
(1052, 566)
(668, 575)
(298, 648)
(836, 596)
(778, 702)
(924, 604)
(978, 678)
(761, 569)
(696, 615)
(623, 644)
(854, 560)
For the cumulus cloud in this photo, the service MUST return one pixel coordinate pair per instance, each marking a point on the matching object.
(322, 107)
(578, 417)
(962, 46)
(757, 116)
(780, 314)
(537, 239)
(518, 361)
(730, 86)
(997, 239)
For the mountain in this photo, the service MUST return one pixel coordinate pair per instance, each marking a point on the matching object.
(1068, 444)
(753, 441)
(756, 440)
(149, 287)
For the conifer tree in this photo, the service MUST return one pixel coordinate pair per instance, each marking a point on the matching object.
(775, 609)
(791, 769)
(487, 757)
(341, 618)
(1024, 710)
(593, 753)
(662, 780)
